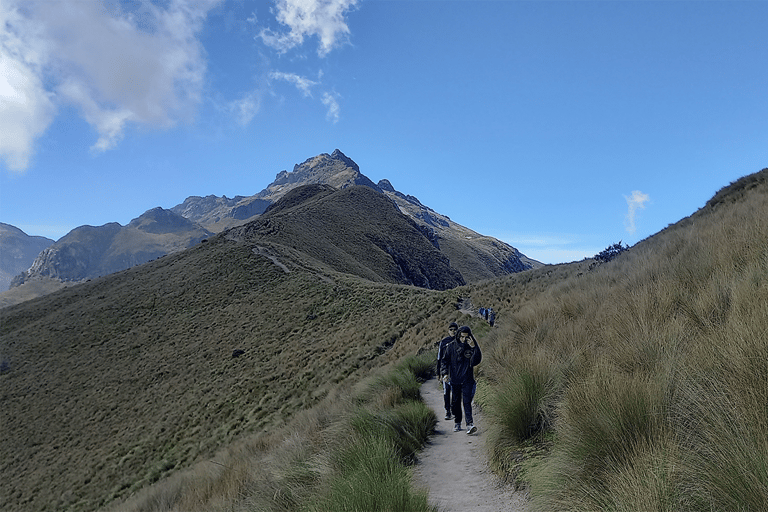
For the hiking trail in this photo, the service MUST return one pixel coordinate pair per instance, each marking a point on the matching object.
(453, 467)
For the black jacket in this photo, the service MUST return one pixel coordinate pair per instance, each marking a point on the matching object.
(458, 359)
(441, 350)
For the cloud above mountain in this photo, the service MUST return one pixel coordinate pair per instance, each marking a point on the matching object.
(114, 65)
(139, 63)
(324, 19)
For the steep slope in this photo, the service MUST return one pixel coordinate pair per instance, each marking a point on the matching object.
(17, 252)
(355, 230)
(475, 256)
(651, 369)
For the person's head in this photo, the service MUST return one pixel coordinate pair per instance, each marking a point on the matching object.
(453, 328)
(464, 334)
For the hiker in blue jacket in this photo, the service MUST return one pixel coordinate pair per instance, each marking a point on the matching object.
(456, 366)
(452, 328)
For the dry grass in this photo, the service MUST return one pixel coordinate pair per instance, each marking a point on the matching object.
(110, 386)
(646, 377)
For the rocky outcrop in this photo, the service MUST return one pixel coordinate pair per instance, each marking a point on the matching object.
(92, 251)
(17, 252)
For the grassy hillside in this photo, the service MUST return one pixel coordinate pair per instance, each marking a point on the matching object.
(110, 385)
(644, 379)
(355, 230)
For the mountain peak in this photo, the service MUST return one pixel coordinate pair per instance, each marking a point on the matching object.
(336, 169)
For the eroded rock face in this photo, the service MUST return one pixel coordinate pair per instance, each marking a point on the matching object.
(17, 252)
(92, 251)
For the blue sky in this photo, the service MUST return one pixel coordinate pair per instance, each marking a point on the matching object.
(560, 127)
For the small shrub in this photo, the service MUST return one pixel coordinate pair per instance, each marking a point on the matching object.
(610, 252)
(371, 479)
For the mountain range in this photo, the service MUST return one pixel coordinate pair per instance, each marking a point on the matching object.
(463, 255)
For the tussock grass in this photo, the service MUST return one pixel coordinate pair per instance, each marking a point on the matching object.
(350, 452)
(645, 379)
(372, 479)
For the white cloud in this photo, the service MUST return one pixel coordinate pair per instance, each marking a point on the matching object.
(332, 104)
(303, 84)
(635, 201)
(307, 18)
(26, 109)
(144, 66)
(246, 108)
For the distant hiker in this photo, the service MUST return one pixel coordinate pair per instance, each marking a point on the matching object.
(452, 328)
(457, 364)
(492, 317)
(482, 312)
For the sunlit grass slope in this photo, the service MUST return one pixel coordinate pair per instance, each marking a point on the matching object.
(645, 379)
(112, 385)
(350, 452)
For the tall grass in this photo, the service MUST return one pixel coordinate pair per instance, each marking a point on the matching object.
(351, 452)
(646, 378)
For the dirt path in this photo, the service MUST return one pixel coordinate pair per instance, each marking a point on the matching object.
(453, 466)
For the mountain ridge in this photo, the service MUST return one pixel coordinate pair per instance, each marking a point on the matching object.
(87, 251)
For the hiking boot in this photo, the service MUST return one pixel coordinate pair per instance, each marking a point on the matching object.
(471, 429)
(457, 427)
(448, 416)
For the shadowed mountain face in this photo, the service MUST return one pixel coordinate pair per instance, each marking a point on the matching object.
(355, 230)
(17, 252)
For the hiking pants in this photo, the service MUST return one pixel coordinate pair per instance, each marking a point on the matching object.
(463, 393)
(447, 396)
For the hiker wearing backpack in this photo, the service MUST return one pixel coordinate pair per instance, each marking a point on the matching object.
(457, 363)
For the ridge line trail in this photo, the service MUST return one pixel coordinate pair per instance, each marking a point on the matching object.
(453, 468)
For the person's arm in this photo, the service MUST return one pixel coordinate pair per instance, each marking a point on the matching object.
(477, 355)
(444, 363)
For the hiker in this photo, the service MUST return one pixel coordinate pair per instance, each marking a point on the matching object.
(457, 364)
(452, 328)
(492, 317)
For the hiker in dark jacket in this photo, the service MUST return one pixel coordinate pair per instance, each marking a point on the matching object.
(456, 366)
(440, 351)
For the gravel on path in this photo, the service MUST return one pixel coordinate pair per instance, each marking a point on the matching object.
(454, 469)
